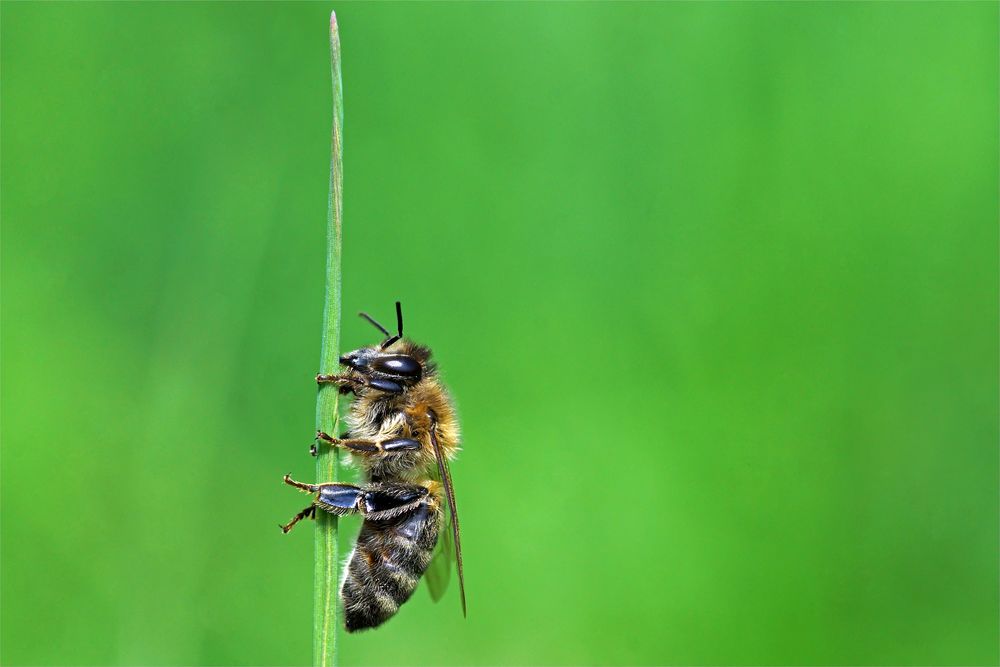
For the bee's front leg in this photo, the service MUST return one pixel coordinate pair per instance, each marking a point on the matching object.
(351, 383)
(345, 383)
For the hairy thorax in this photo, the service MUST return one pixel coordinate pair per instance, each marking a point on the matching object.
(421, 408)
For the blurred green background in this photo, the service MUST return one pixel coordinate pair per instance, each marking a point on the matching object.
(715, 286)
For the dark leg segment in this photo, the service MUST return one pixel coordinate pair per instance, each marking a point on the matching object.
(374, 501)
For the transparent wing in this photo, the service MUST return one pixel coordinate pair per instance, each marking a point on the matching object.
(438, 573)
(449, 541)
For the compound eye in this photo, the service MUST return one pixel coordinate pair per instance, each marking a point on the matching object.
(399, 364)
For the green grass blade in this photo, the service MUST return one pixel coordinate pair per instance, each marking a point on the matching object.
(327, 564)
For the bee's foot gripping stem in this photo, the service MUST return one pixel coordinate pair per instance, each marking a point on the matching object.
(308, 488)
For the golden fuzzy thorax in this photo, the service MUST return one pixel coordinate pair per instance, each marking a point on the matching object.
(378, 416)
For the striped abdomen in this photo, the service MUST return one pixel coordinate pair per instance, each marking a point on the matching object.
(385, 568)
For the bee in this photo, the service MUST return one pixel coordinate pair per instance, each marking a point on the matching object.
(402, 431)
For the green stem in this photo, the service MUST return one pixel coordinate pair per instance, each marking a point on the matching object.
(327, 568)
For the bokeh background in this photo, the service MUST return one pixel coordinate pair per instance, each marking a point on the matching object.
(715, 286)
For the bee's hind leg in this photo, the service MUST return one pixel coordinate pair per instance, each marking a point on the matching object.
(373, 501)
(309, 488)
(309, 512)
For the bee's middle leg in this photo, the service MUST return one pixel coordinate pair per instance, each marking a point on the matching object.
(313, 450)
(376, 447)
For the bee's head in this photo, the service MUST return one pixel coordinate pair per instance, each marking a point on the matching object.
(385, 369)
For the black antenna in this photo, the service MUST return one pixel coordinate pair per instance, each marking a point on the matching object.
(399, 328)
(376, 324)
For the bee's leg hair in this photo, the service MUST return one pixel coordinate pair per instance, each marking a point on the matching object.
(338, 379)
(353, 383)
